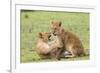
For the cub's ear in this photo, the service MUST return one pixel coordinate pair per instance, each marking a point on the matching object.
(52, 22)
(40, 35)
(60, 23)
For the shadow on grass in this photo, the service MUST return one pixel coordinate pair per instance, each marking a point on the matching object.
(37, 59)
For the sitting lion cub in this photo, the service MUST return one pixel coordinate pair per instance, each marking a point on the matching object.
(48, 46)
(71, 42)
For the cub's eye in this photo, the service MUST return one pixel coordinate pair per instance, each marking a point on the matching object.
(55, 28)
(49, 36)
(54, 33)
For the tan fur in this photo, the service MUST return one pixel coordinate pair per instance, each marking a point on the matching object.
(70, 41)
(46, 48)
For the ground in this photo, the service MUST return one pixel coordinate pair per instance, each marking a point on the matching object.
(33, 22)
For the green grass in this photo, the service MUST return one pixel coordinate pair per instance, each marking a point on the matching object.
(33, 22)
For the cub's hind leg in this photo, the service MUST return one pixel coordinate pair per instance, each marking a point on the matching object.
(73, 53)
(55, 53)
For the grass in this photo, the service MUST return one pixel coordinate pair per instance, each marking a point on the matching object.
(33, 22)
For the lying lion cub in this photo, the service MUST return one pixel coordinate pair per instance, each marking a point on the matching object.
(48, 46)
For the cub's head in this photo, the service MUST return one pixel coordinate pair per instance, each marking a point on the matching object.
(56, 27)
(45, 36)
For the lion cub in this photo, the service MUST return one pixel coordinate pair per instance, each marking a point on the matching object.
(71, 42)
(48, 46)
